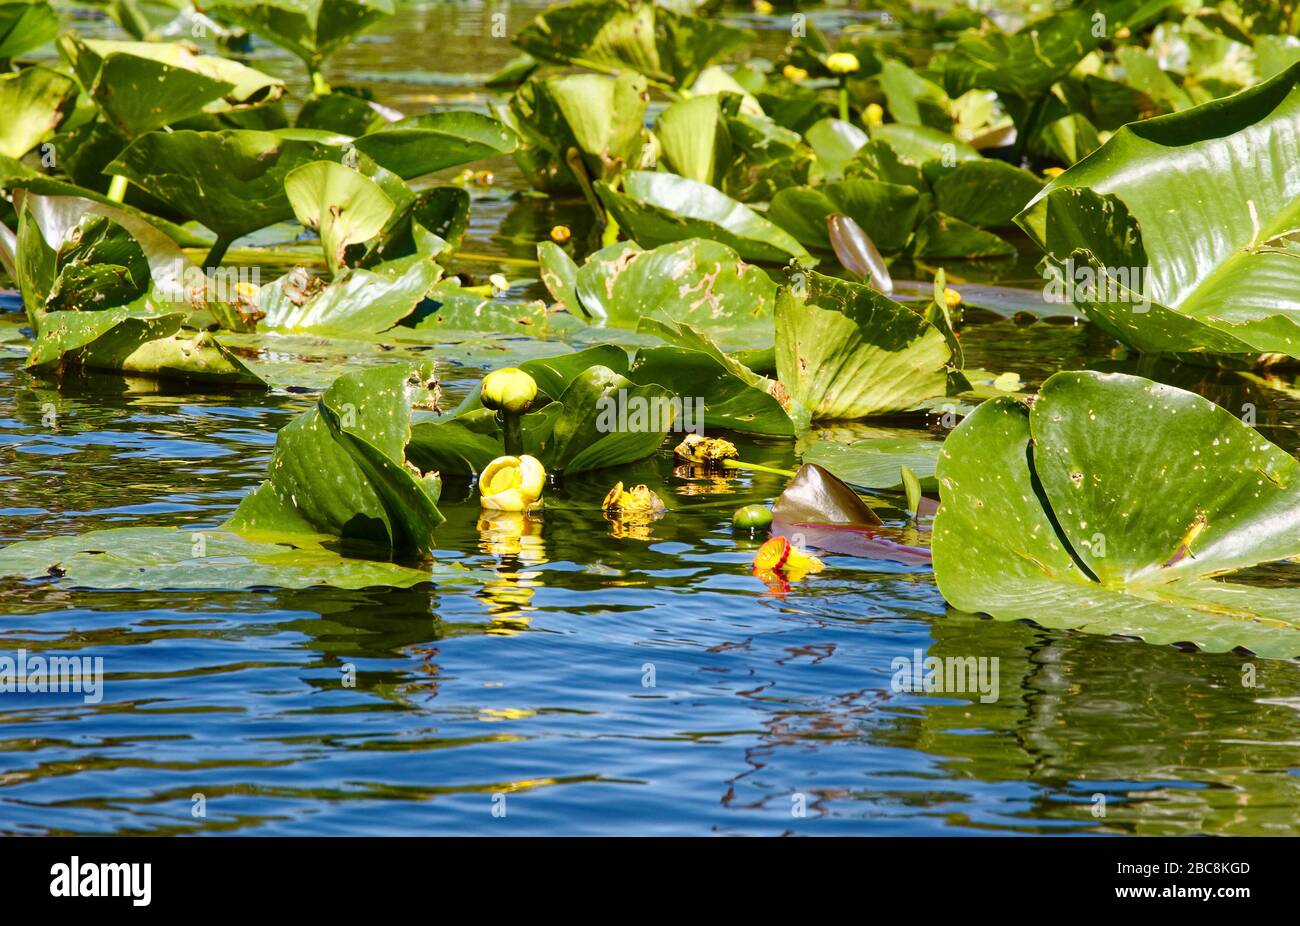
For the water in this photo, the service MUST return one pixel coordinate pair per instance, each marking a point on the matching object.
(601, 684)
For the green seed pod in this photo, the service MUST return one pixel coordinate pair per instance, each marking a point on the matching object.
(752, 518)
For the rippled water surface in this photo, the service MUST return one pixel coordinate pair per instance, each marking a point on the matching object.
(602, 683)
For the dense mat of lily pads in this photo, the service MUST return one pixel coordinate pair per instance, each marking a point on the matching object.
(748, 219)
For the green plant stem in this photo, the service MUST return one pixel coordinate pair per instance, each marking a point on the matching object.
(757, 467)
(319, 85)
(573, 157)
(215, 255)
(117, 188)
(513, 425)
(844, 99)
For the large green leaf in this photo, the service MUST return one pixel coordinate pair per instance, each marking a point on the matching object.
(876, 462)
(34, 101)
(845, 351)
(602, 117)
(987, 192)
(360, 301)
(164, 558)
(340, 469)
(141, 86)
(697, 281)
(885, 211)
(340, 204)
(609, 35)
(721, 391)
(435, 141)
(659, 208)
(310, 29)
(693, 138)
(1197, 203)
(24, 25)
(1112, 506)
(232, 181)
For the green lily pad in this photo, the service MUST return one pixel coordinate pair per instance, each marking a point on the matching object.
(660, 208)
(24, 25)
(310, 29)
(845, 351)
(876, 462)
(940, 237)
(714, 388)
(341, 205)
(340, 469)
(34, 100)
(1113, 506)
(699, 282)
(885, 211)
(359, 301)
(163, 558)
(608, 35)
(141, 86)
(231, 181)
(431, 142)
(1204, 257)
(988, 193)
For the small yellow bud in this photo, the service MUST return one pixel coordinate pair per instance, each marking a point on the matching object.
(763, 8)
(951, 298)
(794, 73)
(875, 115)
(560, 234)
(1051, 173)
(842, 62)
(510, 390)
(1123, 33)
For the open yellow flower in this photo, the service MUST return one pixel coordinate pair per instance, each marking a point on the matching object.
(708, 452)
(779, 557)
(842, 62)
(637, 502)
(512, 483)
(509, 389)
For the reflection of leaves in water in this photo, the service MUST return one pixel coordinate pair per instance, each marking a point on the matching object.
(1173, 739)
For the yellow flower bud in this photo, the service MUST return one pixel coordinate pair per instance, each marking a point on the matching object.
(560, 234)
(1123, 32)
(794, 73)
(763, 8)
(842, 62)
(510, 390)
(875, 115)
(779, 557)
(951, 298)
(512, 483)
(1051, 173)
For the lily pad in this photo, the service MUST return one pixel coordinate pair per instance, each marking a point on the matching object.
(141, 86)
(341, 205)
(660, 208)
(34, 100)
(885, 211)
(310, 29)
(24, 25)
(844, 350)
(340, 469)
(1190, 266)
(163, 558)
(875, 463)
(431, 142)
(1113, 506)
(360, 301)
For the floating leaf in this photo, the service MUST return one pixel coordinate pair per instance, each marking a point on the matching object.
(310, 29)
(360, 301)
(343, 206)
(34, 100)
(1111, 507)
(845, 351)
(340, 469)
(660, 208)
(431, 142)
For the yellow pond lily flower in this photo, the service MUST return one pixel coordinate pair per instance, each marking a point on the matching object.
(509, 389)
(795, 73)
(875, 115)
(951, 298)
(706, 451)
(560, 234)
(637, 502)
(779, 557)
(842, 62)
(512, 483)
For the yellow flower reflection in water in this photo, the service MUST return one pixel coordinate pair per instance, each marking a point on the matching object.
(631, 512)
(516, 539)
